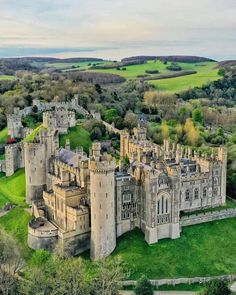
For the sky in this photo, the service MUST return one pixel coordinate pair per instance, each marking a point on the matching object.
(118, 28)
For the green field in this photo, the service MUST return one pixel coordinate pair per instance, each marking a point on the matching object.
(68, 66)
(3, 135)
(78, 137)
(12, 189)
(202, 250)
(206, 71)
(204, 75)
(7, 77)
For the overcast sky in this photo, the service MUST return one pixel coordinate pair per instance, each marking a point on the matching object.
(117, 28)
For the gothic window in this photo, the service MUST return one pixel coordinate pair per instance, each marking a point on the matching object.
(196, 193)
(204, 192)
(163, 205)
(187, 195)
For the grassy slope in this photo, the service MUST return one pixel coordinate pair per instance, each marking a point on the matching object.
(205, 72)
(12, 189)
(78, 137)
(202, 250)
(204, 75)
(64, 66)
(7, 77)
(3, 135)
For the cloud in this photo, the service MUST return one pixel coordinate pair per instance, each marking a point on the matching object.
(189, 24)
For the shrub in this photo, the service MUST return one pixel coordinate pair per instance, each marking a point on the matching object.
(143, 287)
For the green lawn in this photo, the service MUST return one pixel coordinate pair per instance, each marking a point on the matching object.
(202, 250)
(205, 73)
(7, 77)
(12, 189)
(78, 137)
(3, 135)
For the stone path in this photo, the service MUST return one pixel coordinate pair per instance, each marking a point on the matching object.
(162, 293)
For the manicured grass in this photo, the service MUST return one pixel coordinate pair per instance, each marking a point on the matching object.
(182, 287)
(16, 224)
(3, 135)
(205, 73)
(202, 250)
(12, 189)
(78, 137)
(7, 77)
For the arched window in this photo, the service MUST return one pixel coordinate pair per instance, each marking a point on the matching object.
(187, 195)
(163, 205)
(196, 193)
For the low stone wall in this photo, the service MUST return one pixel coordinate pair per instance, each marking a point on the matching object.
(173, 282)
(208, 216)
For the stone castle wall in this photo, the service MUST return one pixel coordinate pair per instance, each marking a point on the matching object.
(207, 217)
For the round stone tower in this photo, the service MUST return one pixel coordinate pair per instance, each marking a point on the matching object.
(35, 170)
(102, 189)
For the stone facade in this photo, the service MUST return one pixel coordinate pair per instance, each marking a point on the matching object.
(91, 201)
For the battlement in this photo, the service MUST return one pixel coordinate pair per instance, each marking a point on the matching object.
(105, 165)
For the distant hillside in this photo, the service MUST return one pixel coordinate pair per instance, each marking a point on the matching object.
(31, 59)
(171, 58)
(227, 63)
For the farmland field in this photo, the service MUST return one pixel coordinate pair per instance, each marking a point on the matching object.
(7, 77)
(206, 71)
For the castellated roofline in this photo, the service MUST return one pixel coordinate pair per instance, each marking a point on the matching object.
(103, 166)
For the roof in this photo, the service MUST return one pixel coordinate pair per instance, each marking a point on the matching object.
(68, 157)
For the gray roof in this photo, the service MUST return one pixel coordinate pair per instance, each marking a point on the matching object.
(68, 157)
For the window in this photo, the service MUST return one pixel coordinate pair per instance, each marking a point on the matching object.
(163, 205)
(204, 192)
(196, 193)
(187, 195)
(215, 191)
(126, 197)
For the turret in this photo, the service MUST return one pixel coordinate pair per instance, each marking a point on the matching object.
(35, 170)
(222, 156)
(102, 191)
(124, 143)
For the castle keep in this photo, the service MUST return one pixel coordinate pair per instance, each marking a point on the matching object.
(86, 201)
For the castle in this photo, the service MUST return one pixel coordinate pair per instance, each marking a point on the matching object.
(87, 201)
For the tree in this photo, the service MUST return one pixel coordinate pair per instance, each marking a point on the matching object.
(216, 288)
(10, 264)
(143, 287)
(130, 120)
(71, 278)
(110, 115)
(197, 116)
(165, 130)
(192, 133)
(111, 271)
